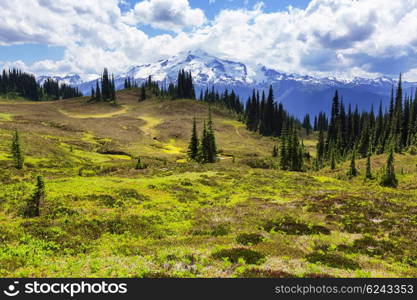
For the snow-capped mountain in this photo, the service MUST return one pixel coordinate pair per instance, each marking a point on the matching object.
(71, 79)
(300, 94)
(206, 69)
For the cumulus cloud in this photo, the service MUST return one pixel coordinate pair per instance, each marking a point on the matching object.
(166, 14)
(330, 37)
(342, 37)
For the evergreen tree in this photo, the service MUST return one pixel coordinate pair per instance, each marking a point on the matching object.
(93, 95)
(142, 96)
(283, 162)
(353, 172)
(368, 173)
(194, 143)
(212, 150)
(205, 145)
(98, 92)
(275, 151)
(320, 149)
(334, 127)
(267, 115)
(113, 90)
(295, 153)
(283, 153)
(389, 178)
(106, 86)
(307, 124)
(33, 204)
(333, 161)
(140, 165)
(17, 153)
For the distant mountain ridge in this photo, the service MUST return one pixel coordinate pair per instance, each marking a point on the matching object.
(299, 94)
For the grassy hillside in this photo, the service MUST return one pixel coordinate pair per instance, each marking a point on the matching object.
(240, 217)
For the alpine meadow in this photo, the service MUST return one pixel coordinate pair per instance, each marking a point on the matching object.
(202, 166)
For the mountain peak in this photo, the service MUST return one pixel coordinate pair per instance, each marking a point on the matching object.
(205, 68)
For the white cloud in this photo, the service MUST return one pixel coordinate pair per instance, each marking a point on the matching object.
(329, 37)
(166, 14)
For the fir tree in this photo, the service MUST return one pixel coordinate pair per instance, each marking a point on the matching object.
(295, 152)
(212, 149)
(194, 143)
(389, 178)
(17, 153)
(205, 145)
(353, 172)
(333, 161)
(368, 172)
(142, 96)
(98, 92)
(140, 165)
(275, 151)
(320, 149)
(307, 124)
(283, 162)
(34, 203)
(93, 95)
(113, 97)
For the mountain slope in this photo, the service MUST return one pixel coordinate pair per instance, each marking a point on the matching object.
(239, 217)
(150, 129)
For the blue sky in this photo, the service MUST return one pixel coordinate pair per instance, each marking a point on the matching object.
(342, 38)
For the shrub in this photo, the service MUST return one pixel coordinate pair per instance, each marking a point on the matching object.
(333, 260)
(388, 178)
(260, 273)
(129, 194)
(249, 239)
(220, 230)
(292, 226)
(234, 254)
(372, 247)
(258, 163)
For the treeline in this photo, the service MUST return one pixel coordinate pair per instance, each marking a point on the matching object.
(366, 132)
(183, 89)
(16, 83)
(53, 90)
(105, 89)
(265, 116)
(226, 99)
(130, 83)
(292, 152)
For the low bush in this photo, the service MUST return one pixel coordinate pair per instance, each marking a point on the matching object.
(235, 254)
(249, 239)
(261, 273)
(292, 226)
(333, 260)
(258, 163)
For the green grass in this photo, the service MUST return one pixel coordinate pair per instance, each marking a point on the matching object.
(235, 218)
(6, 117)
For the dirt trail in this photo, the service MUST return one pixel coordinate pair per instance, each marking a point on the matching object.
(149, 127)
(95, 116)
